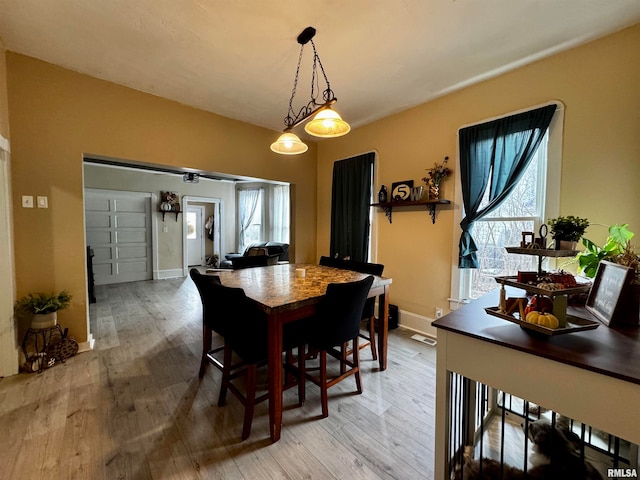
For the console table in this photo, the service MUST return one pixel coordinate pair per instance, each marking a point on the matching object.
(591, 376)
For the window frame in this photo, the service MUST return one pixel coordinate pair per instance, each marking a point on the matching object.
(552, 173)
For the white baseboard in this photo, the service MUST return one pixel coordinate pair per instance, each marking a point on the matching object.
(88, 345)
(164, 274)
(417, 323)
(10, 362)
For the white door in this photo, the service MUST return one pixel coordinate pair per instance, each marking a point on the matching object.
(195, 235)
(118, 230)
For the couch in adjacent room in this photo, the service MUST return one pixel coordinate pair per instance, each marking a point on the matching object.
(257, 254)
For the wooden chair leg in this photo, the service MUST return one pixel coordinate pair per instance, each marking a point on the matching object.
(226, 373)
(250, 400)
(356, 364)
(344, 352)
(323, 384)
(301, 373)
(207, 333)
(372, 337)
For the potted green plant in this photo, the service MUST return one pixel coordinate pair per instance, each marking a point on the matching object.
(617, 249)
(44, 307)
(566, 231)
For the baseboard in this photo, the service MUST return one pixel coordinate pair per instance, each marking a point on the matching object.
(417, 323)
(173, 273)
(88, 345)
(10, 364)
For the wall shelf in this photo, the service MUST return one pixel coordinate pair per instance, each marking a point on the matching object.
(430, 204)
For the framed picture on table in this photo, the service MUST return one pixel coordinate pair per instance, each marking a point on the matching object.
(610, 298)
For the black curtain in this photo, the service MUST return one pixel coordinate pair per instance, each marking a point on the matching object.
(350, 204)
(495, 155)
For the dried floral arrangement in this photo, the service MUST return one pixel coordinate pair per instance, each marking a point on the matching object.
(438, 173)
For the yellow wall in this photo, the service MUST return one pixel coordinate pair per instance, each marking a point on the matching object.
(58, 115)
(4, 108)
(599, 84)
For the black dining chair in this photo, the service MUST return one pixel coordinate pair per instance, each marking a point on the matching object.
(336, 322)
(368, 313)
(212, 321)
(231, 313)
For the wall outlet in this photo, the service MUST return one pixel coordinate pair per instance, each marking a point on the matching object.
(438, 312)
(27, 201)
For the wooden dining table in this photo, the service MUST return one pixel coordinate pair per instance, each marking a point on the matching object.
(285, 296)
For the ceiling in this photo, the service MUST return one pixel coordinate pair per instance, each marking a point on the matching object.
(238, 58)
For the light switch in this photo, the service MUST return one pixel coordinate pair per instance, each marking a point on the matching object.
(43, 202)
(165, 229)
(27, 201)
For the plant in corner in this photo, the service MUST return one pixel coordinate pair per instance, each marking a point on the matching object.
(44, 307)
(617, 249)
(568, 229)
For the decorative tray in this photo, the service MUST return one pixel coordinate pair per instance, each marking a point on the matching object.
(574, 324)
(512, 282)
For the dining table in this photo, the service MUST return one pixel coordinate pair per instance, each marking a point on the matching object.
(291, 291)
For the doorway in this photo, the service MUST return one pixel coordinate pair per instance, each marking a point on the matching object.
(207, 220)
(195, 235)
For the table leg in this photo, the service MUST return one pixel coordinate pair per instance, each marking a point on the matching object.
(383, 327)
(275, 376)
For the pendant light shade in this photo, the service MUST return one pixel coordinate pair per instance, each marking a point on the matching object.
(327, 123)
(289, 144)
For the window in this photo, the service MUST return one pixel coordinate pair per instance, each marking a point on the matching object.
(279, 214)
(536, 197)
(522, 211)
(264, 214)
(250, 217)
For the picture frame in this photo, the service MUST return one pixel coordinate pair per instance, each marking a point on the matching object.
(609, 293)
(401, 191)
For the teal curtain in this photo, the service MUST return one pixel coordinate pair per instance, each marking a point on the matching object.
(494, 155)
(350, 205)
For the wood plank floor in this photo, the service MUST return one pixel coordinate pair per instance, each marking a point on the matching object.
(134, 408)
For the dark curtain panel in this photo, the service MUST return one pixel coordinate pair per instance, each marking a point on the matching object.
(495, 155)
(350, 203)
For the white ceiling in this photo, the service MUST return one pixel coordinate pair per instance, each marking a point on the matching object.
(238, 57)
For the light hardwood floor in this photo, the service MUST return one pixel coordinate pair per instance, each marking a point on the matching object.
(134, 408)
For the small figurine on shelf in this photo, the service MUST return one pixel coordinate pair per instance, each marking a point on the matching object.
(382, 194)
(435, 176)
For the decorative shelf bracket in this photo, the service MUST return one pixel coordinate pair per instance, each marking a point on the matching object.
(387, 211)
(432, 212)
(176, 212)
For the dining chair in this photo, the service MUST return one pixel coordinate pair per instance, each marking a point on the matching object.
(368, 313)
(336, 322)
(212, 321)
(243, 325)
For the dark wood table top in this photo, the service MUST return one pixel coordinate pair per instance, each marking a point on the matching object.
(277, 288)
(614, 352)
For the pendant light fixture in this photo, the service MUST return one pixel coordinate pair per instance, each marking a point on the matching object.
(326, 123)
